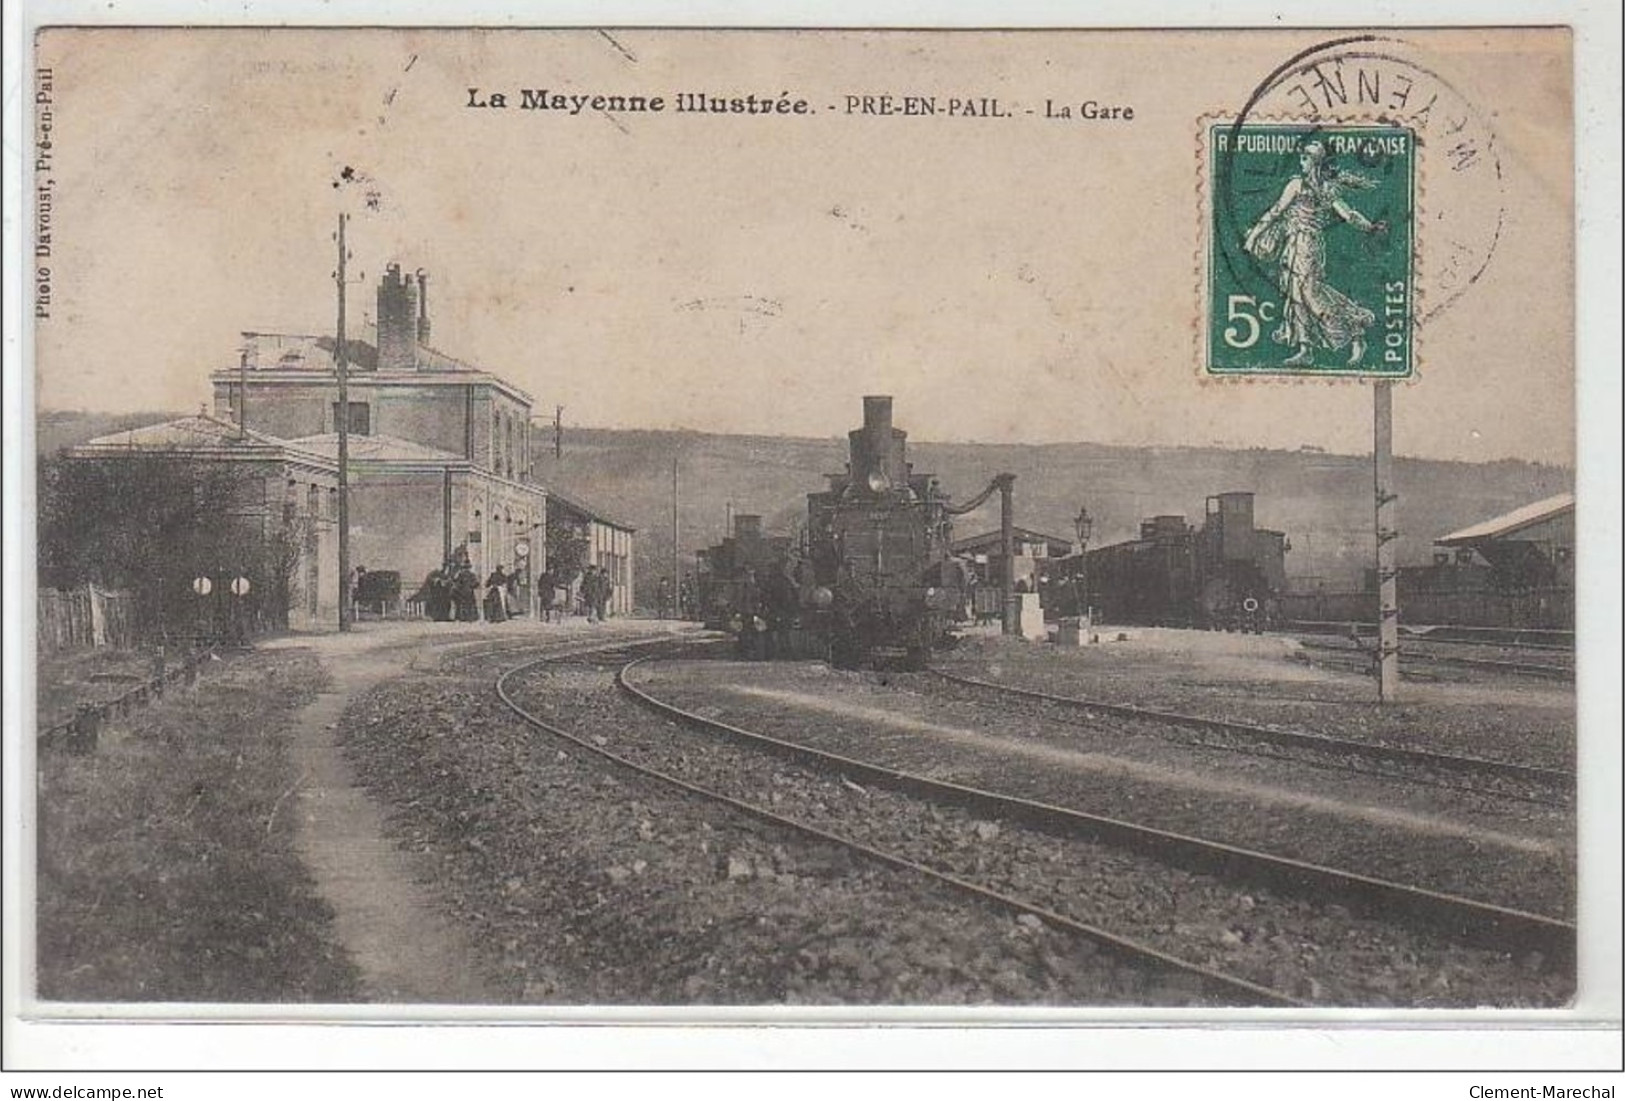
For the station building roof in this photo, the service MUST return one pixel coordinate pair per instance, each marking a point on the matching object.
(1510, 523)
(569, 505)
(294, 356)
(202, 435)
(379, 448)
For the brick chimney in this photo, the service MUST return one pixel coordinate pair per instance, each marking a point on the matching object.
(423, 306)
(397, 321)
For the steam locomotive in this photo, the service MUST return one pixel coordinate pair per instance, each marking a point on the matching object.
(882, 578)
(1226, 575)
(732, 574)
(871, 577)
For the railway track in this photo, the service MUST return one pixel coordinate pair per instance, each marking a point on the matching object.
(1217, 985)
(1504, 932)
(1362, 658)
(1479, 775)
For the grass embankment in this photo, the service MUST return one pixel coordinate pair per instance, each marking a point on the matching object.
(66, 680)
(167, 868)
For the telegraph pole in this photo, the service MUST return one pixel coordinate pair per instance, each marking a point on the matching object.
(242, 396)
(341, 359)
(1387, 532)
(1011, 623)
(558, 432)
(676, 543)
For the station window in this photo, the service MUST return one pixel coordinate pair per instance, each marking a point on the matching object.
(360, 418)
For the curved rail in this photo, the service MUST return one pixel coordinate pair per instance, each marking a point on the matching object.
(1237, 990)
(1474, 922)
(1298, 739)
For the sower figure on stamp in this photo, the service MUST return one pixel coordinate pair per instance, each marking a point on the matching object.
(1292, 234)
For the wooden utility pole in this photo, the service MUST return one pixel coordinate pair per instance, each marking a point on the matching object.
(1007, 547)
(558, 432)
(676, 529)
(1387, 655)
(342, 361)
(242, 396)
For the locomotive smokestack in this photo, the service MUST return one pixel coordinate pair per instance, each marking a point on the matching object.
(877, 416)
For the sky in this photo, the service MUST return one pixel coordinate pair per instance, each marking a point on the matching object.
(1018, 279)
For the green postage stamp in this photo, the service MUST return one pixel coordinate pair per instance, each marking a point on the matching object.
(1310, 257)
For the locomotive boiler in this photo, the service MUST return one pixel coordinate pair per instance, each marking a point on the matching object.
(882, 580)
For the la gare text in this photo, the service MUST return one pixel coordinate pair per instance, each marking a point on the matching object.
(752, 103)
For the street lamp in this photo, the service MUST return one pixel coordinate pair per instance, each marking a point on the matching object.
(1084, 525)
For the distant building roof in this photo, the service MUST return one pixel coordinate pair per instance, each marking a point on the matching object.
(992, 539)
(562, 502)
(1512, 522)
(387, 449)
(201, 434)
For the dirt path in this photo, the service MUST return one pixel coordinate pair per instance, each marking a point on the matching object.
(406, 950)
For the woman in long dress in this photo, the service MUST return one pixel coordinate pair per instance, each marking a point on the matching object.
(1292, 234)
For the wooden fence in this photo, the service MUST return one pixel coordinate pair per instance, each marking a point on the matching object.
(73, 619)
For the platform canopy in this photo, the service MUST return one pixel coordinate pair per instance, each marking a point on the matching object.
(1511, 523)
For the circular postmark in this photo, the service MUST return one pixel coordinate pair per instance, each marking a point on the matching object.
(1380, 81)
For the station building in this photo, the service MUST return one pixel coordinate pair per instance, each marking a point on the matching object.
(439, 453)
(1034, 551)
(1528, 548)
(285, 492)
(608, 546)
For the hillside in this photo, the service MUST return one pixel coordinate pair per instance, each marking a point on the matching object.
(1323, 502)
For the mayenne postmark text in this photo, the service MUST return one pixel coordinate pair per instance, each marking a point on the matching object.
(1354, 196)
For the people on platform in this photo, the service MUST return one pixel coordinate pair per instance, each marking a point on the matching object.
(435, 595)
(545, 595)
(496, 599)
(596, 589)
(465, 586)
(510, 594)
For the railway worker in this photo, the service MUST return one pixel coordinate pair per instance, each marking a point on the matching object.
(496, 588)
(583, 585)
(357, 576)
(510, 594)
(589, 594)
(431, 595)
(663, 607)
(781, 600)
(465, 592)
(545, 595)
(602, 590)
